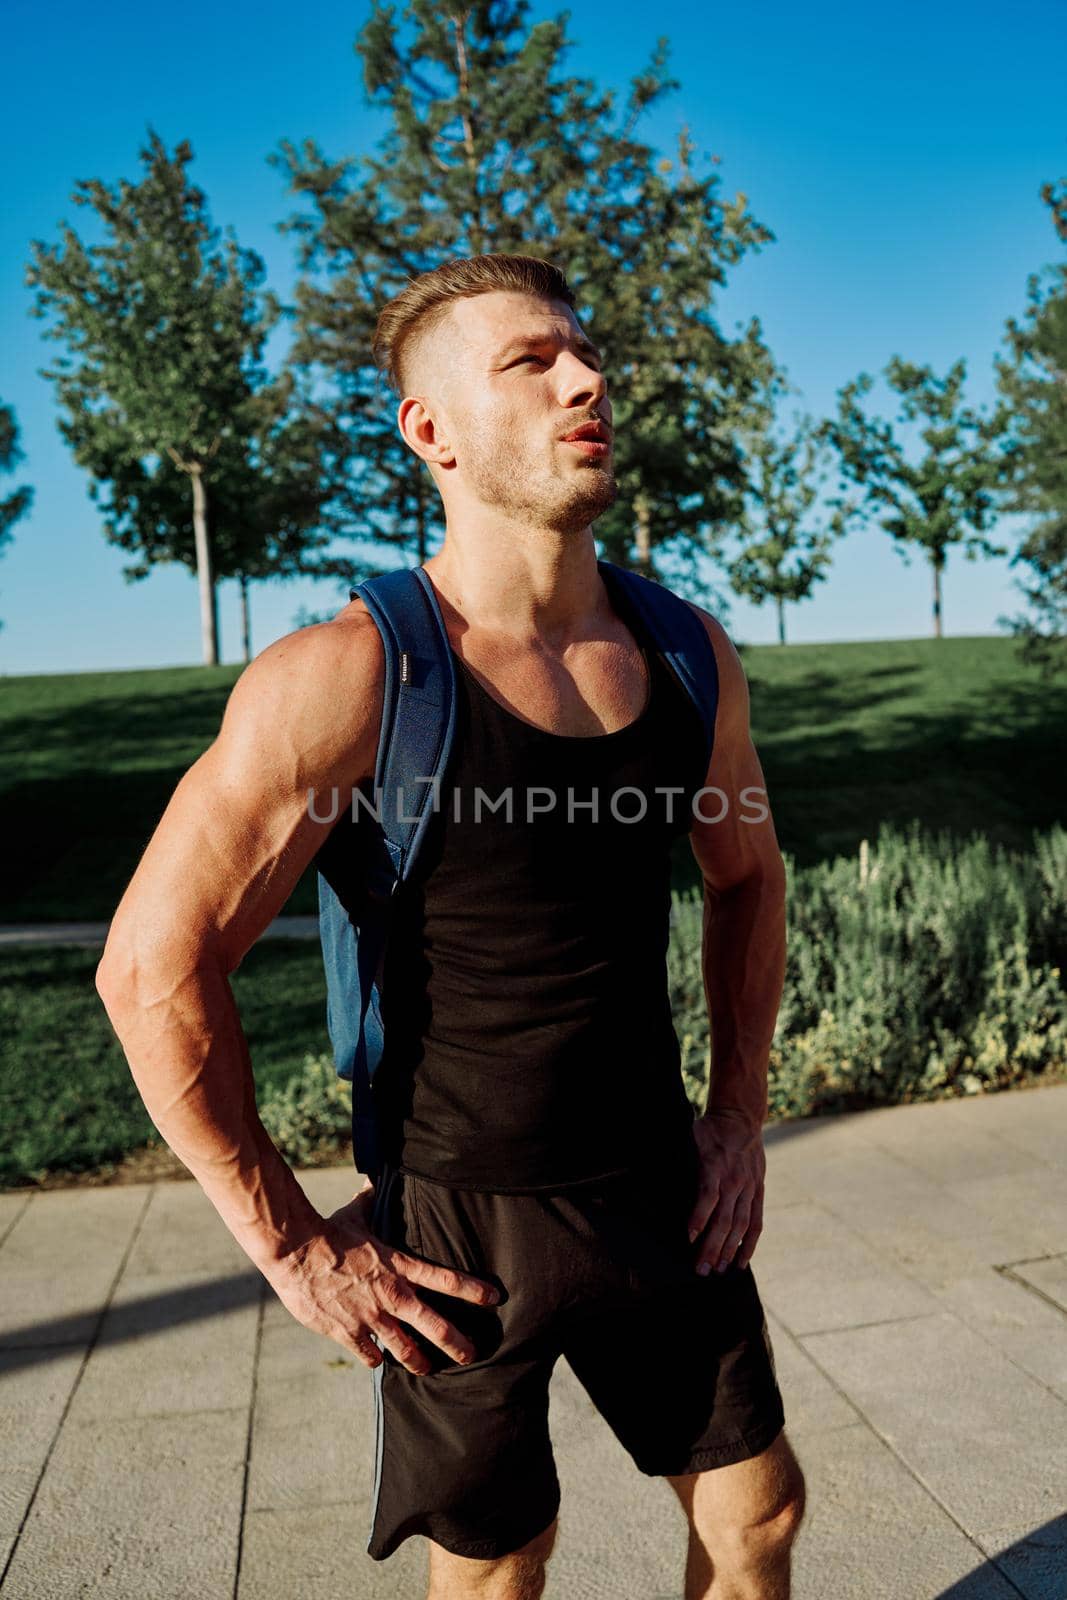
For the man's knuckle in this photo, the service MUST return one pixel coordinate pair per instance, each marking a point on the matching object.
(438, 1328)
(392, 1291)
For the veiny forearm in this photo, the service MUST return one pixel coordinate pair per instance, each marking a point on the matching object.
(189, 1057)
(744, 973)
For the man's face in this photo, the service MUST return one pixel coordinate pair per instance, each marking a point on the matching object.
(508, 375)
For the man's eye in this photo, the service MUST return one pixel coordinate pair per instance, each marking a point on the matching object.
(525, 358)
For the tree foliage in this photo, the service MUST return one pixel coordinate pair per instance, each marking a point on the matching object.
(1032, 380)
(783, 551)
(20, 500)
(166, 401)
(945, 498)
(491, 146)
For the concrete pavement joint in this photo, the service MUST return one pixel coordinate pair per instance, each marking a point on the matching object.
(15, 1218)
(247, 1471)
(1008, 1271)
(998, 1349)
(853, 1327)
(89, 1348)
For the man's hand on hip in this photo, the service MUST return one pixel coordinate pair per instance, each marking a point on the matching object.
(728, 1206)
(348, 1284)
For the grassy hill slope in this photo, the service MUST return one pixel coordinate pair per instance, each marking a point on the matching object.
(954, 732)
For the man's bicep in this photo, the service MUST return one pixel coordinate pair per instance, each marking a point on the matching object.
(224, 859)
(239, 830)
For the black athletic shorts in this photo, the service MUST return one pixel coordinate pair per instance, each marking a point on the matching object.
(679, 1365)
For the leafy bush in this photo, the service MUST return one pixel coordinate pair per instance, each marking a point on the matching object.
(918, 970)
(309, 1117)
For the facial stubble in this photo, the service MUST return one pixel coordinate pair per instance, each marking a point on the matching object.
(537, 484)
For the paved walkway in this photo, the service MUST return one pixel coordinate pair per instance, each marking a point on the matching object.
(171, 1431)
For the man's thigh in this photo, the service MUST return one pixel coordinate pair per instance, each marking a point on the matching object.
(463, 1454)
(683, 1372)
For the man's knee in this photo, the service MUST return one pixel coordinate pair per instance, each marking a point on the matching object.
(754, 1508)
(761, 1534)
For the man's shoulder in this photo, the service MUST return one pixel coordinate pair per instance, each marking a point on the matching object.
(316, 691)
(341, 649)
(712, 626)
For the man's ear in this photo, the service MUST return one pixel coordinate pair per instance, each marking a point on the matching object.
(424, 433)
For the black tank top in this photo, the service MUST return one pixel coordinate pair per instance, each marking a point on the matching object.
(529, 1040)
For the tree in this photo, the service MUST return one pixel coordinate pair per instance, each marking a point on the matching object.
(19, 502)
(489, 147)
(1032, 381)
(266, 494)
(168, 406)
(780, 559)
(947, 497)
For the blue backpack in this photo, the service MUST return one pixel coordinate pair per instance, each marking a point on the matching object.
(374, 845)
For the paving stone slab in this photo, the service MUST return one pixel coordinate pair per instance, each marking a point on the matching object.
(986, 1439)
(1033, 1120)
(313, 1426)
(32, 1397)
(1033, 1204)
(1036, 1121)
(815, 1272)
(60, 1260)
(173, 1343)
(871, 1532)
(1020, 1323)
(321, 1552)
(946, 1148)
(136, 1509)
(181, 1232)
(925, 1391)
(908, 1219)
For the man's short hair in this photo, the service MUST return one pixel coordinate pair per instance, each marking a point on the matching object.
(418, 308)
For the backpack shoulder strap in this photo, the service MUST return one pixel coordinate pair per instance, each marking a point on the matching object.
(679, 636)
(361, 862)
(418, 711)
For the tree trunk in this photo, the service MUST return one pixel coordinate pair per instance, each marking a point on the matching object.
(209, 619)
(937, 599)
(781, 619)
(643, 539)
(246, 619)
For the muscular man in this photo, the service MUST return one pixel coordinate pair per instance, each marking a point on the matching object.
(541, 1157)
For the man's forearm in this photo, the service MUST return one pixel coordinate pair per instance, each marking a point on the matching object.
(744, 973)
(189, 1058)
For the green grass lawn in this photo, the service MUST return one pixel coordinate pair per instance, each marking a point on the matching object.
(953, 732)
(67, 1099)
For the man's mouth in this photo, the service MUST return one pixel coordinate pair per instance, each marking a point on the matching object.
(592, 438)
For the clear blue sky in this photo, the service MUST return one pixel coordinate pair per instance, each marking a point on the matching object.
(897, 156)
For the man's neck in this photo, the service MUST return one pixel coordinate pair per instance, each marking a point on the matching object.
(549, 591)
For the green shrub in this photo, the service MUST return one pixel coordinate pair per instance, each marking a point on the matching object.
(918, 969)
(309, 1117)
